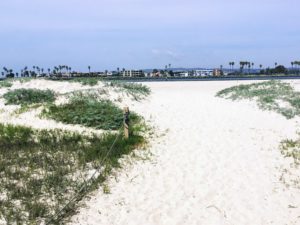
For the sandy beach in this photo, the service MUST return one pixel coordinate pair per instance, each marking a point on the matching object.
(214, 161)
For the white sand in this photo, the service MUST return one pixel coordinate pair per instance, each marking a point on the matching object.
(215, 162)
(218, 163)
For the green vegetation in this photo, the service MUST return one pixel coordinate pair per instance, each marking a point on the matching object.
(270, 95)
(25, 79)
(90, 112)
(138, 91)
(5, 83)
(90, 81)
(291, 148)
(42, 169)
(28, 96)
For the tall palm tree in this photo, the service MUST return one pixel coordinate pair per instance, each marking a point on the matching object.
(249, 67)
(230, 65)
(5, 70)
(89, 67)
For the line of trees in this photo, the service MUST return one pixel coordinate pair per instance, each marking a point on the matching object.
(247, 66)
(60, 70)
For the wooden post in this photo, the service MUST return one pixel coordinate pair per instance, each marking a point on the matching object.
(126, 122)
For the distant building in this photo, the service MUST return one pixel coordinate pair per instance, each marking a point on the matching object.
(203, 73)
(132, 73)
(183, 73)
(217, 72)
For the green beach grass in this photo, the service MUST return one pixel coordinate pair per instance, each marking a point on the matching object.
(270, 95)
(28, 96)
(5, 83)
(42, 169)
(136, 90)
(89, 111)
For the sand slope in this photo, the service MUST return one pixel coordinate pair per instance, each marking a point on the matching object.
(218, 163)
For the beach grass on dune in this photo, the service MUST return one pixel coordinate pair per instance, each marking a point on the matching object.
(291, 148)
(138, 91)
(270, 95)
(5, 83)
(89, 81)
(42, 169)
(28, 96)
(90, 112)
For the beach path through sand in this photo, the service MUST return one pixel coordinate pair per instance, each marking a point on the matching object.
(218, 162)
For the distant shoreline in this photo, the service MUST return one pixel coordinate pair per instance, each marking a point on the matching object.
(168, 79)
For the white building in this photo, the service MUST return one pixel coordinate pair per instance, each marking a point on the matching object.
(132, 73)
(203, 73)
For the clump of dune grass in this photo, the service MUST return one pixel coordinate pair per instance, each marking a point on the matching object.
(5, 83)
(89, 111)
(28, 96)
(270, 95)
(41, 170)
(136, 90)
(89, 81)
(25, 79)
(291, 148)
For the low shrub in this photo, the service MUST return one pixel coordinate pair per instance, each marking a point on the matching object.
(5, 83)
(41, 170)
(90, 81)
(270, 95)
(28, 96)
(90, 112)
(138, 91)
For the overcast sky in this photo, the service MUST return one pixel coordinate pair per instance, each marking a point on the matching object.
(137, 34)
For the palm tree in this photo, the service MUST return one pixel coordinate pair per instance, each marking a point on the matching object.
(169, 65)
(89, 67)
(231, 65)
(275, 64)
(243, 64)
(5, 70)
(249, 67)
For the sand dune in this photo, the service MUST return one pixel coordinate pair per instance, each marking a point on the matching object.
(218, 162)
